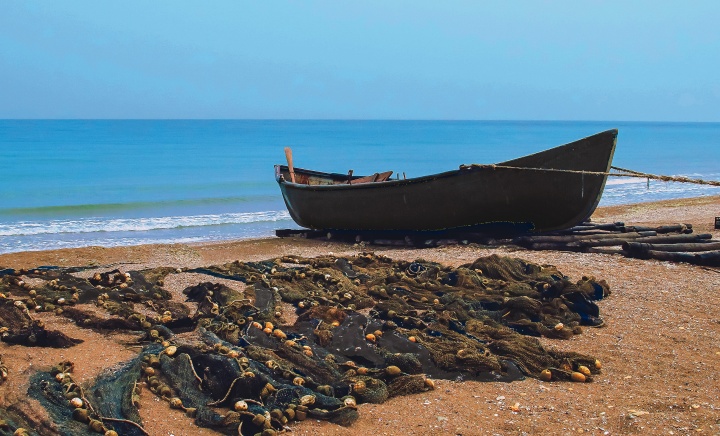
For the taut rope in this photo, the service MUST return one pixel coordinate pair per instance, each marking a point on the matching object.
(624, 173)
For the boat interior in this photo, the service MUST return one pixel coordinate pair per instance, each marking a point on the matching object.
(304, 177)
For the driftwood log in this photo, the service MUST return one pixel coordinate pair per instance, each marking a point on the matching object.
(642, 247)
(592, 226)
(673, 228)
(674, 242)
(669, 239)
(582, 237)
(709, 258)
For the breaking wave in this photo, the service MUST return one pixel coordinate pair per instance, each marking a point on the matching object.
(95, 225)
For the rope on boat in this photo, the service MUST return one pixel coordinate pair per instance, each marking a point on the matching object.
(624, 173)
(680, 179)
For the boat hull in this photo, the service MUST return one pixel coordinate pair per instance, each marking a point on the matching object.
(516, 193)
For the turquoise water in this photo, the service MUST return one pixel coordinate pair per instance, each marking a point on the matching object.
(70, 183)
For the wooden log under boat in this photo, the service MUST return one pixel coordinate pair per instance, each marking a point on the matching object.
(670, 239)
(669, 256)
(604, 250)
(676, 239)
(594, 226)
(672, 228)
(554, 189)
(710, 258)
(524, 240)
(643, 247)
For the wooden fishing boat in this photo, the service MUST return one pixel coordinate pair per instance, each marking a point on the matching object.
(550, 190)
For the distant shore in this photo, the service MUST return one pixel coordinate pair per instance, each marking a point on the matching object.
(659, 349)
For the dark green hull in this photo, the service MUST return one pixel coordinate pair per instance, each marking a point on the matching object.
(471, 196)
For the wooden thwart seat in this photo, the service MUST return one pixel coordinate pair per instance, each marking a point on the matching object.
(377, 177)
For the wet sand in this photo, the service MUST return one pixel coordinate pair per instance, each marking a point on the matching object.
(660, 346)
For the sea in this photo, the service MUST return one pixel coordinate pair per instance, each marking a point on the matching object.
(74, 183)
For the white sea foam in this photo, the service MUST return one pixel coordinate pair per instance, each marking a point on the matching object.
(41, 244)
(624, 181)
(93, 224)
(626, 193)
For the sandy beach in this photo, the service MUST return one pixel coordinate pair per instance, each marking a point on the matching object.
(659, 347)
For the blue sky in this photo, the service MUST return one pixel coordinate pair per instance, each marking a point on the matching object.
(508, 60)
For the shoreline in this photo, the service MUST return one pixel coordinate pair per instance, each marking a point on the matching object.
(660, 345)
(700, 214)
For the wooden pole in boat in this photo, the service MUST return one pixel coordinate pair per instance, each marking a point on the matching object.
(288, 156)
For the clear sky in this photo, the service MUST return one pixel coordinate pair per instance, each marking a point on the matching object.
(496, 60)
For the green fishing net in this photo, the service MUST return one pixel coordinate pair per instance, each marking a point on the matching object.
(364, 329)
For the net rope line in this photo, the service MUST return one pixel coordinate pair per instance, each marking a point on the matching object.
(624, 173)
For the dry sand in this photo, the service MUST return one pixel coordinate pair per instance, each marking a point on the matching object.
(660, 346)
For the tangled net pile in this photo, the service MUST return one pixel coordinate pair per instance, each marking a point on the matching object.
(367, 328)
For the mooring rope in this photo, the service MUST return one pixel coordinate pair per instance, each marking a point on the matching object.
(625, 173)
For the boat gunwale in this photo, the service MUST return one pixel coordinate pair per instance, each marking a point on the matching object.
(464, 169)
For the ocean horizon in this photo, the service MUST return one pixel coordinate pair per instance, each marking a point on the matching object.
(74, 183)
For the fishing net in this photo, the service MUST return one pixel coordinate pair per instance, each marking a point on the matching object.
(367, 328)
